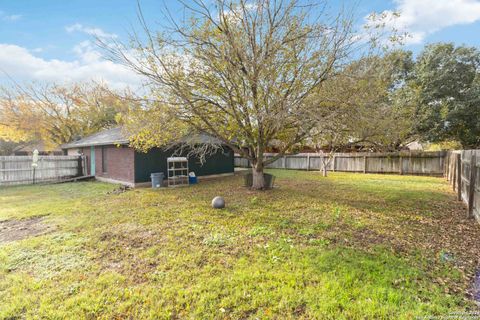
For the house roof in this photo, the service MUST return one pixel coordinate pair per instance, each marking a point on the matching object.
(116, 136)
(38, 145)
(102, 138)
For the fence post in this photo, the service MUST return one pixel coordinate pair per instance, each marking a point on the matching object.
(308, 162)
(452, 171)
(454, 178)
(4, 173)
(284, 162)
(445, 165)
(400, 165)
(459, 176)
(471, 189)
(334, 161)
(364, 164)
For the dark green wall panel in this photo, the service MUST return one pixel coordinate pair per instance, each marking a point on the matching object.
(155, 160)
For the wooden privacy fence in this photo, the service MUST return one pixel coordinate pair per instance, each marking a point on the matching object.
(416, 163)
(16, 170)
(463, 173)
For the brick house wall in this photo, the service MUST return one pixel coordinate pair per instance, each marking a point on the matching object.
(119, 162)
(118, 165)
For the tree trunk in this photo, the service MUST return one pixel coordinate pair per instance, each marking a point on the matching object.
(258, 179)
(324, 165)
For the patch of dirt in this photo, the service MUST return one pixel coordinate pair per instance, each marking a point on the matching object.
(13, 230)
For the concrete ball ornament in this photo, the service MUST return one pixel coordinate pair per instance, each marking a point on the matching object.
(218, 203)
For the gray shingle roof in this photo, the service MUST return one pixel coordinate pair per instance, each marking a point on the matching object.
(102, 138)
(116, 136)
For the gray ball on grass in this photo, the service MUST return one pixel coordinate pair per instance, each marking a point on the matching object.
(218, 203)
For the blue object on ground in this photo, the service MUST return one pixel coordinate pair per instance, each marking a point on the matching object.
(192, 180)
(157, 179)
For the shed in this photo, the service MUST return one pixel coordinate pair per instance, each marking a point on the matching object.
(110, 158)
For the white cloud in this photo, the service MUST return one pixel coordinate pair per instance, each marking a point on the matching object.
(420, 18)
(21, 65)
(237, 11)
(96, 32)
(9, 17)
(86, 52)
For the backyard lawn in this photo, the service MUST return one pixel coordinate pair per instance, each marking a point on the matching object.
(349, 246)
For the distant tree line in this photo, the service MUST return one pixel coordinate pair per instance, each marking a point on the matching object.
(395, 99)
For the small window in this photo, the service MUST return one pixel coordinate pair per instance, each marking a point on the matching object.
(104, 159)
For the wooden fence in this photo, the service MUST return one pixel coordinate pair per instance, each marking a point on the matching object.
(462, 171)
(416, 163)
(17, 170)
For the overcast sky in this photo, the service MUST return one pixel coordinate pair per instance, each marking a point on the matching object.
(52, 40)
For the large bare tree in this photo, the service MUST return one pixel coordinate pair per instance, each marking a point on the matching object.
(244, 72)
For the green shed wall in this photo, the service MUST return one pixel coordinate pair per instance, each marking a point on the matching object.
(155, 160)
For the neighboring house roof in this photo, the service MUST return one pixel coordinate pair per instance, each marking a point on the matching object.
(101, 138)
(39, 145)
(415, 145)
(116, 136)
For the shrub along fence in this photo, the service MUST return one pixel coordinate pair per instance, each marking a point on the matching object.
(17, 170)
(416, 163)
(462, 171)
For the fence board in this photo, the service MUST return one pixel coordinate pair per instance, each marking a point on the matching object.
(16, 170)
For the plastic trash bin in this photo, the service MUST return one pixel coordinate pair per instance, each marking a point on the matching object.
(192, 178)
(157, 179)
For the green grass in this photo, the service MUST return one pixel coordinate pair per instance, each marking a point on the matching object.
(349, 246)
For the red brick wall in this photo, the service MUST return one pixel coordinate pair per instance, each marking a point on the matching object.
(119, 161)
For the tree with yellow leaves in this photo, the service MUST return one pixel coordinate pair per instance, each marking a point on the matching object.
(57, 114)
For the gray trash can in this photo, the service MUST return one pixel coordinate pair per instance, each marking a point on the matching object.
(157, 179)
